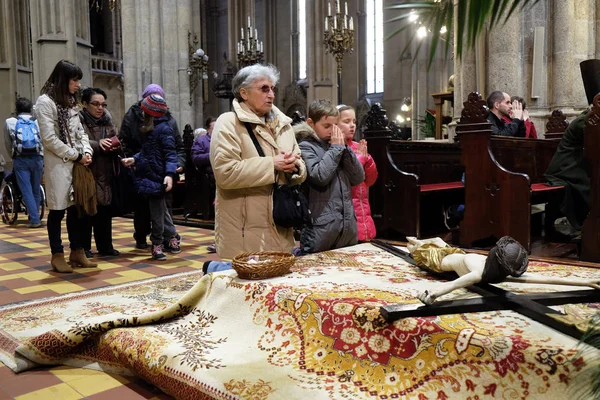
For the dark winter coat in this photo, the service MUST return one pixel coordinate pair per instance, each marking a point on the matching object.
(129, 135)
(332, 170)
(515, 128)
(156, 160)
(102, 163)
(201, 153)
(569, 168)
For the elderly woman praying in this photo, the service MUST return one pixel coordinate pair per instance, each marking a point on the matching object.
(244, 179)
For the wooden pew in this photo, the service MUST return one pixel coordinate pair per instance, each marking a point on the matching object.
(504, 177)
(590, 240)
(556, 125)
(416, 180)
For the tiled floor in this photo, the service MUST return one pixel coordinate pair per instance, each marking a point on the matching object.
(25, 274)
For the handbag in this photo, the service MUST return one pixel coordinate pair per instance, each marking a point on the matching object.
(290, 206)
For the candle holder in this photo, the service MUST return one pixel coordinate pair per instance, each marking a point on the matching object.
(249, 48)
(198, 64)
(339, 37)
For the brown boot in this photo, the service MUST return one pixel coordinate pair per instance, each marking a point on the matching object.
(77, 258)
(59, 264)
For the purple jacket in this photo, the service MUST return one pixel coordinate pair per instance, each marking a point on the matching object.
(201, 153)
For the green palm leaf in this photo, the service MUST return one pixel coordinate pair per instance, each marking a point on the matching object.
(472, 16)
(590, 374)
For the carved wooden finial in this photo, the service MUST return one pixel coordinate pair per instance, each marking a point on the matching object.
(377, 119)
(557, 123)
(474, 111)
(593, 117)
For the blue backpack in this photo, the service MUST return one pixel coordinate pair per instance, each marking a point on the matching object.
(27, 135)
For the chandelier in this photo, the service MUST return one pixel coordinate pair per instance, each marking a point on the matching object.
(339, 37)
(249, 48)
(198, 64)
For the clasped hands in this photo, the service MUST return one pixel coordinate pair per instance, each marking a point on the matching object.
(287, 162)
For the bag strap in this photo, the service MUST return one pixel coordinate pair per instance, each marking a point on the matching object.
(254, 139)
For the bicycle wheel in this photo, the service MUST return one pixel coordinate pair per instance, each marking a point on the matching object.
(9, 208)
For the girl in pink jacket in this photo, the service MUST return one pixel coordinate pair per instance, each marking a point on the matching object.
(360, 193)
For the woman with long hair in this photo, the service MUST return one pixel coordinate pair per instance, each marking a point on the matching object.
(65, 144)
(99, 128)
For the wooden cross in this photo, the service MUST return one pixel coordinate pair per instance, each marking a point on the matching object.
(533, 305)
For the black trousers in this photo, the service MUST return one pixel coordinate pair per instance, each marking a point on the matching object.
(74, 229)
(101, 224)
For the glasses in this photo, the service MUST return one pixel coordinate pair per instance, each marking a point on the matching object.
(265, 89)
(98, 104)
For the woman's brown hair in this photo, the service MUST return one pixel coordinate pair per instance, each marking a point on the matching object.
(57, 85)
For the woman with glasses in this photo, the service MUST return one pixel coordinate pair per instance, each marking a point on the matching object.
(65, 144)
(99, 127)
(244, 179)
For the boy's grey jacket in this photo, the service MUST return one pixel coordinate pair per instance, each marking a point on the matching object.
(332, 170)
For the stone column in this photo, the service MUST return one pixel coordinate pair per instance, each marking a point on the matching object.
(563, 65)
(155, 50)
(59, 30)
(322, 69)
(505, 58)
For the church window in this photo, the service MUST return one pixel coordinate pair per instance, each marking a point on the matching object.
(374, 47)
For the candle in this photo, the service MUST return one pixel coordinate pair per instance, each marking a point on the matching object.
(256, 33)
(345, 22)
(248, 21)
(326, 26)
(351, 24)
(346, 7)
(337, 4)
(250, 33)
(329, 8)
(242, 29)
(335, 22)
(261, 47)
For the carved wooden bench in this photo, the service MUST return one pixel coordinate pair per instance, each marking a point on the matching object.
(504, 177)
(416, 181)
(556, 125)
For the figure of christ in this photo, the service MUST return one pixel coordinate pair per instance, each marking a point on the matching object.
(507, 262)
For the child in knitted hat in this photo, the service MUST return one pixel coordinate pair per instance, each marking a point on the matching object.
(155, 168)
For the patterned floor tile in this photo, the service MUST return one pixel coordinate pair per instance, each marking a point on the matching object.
(25, 274)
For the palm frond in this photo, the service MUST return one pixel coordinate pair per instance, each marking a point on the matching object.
(472, 16)
(586, 382)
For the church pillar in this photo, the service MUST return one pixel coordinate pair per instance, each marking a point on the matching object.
(156, 50)
(505, 58)
(60, 30)
(321, 66)
(564, 67)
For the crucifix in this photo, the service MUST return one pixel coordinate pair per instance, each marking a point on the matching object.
(534, 306)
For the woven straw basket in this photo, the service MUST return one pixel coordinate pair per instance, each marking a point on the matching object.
(262, 264)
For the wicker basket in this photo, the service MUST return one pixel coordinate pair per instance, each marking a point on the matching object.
(263, 264)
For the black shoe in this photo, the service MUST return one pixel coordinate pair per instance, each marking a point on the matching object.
(89, 254)
(141, 245)
(157, 252)
(110, 253)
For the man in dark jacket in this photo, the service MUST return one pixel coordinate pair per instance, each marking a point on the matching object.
(130, 138)
(500, 106)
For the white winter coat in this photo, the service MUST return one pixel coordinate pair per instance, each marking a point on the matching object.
(58, 156)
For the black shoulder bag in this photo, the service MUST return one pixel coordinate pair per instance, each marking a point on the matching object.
(290, 207)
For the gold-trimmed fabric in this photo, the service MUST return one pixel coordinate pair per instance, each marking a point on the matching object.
(314, 333)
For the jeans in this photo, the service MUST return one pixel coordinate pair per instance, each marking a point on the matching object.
(163, 228)
(28, 171)
(74, 229)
